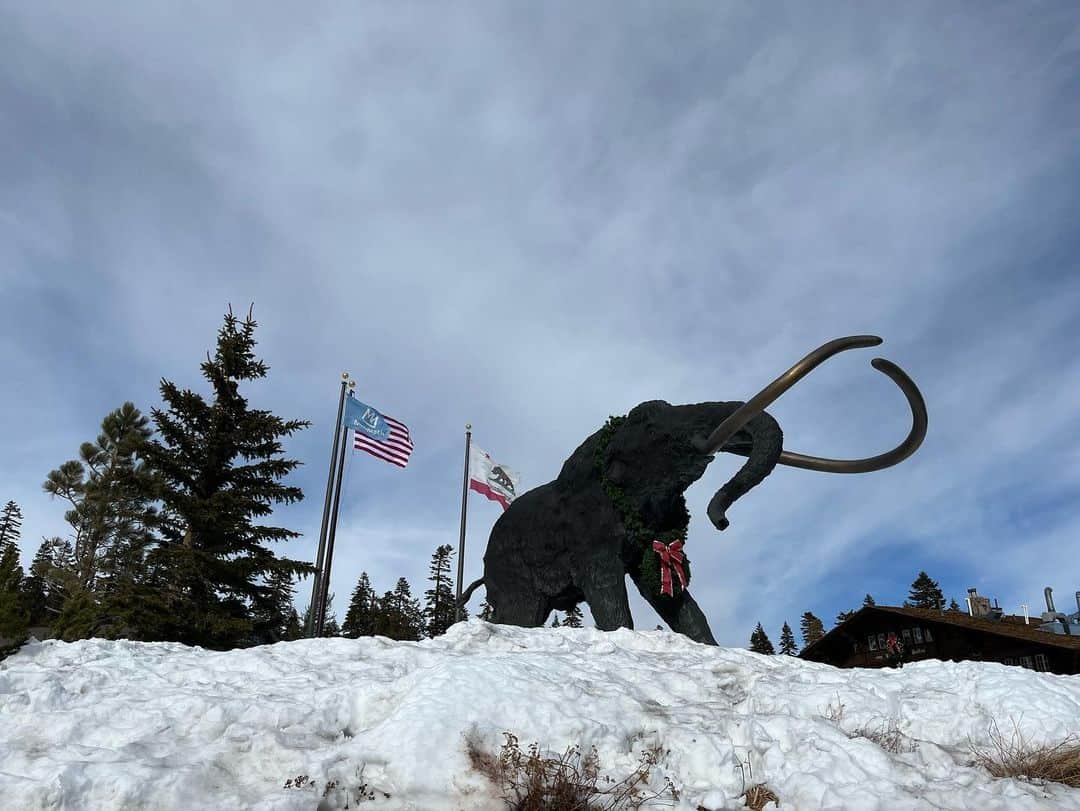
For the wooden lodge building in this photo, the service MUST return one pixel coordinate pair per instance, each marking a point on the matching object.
(859, 641)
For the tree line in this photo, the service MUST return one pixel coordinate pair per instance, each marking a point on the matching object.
(924, 593)
(398, 614)
(170, 538)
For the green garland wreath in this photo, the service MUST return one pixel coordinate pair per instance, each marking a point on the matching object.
(641, 534)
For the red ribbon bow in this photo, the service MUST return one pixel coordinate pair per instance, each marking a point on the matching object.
(671, 556)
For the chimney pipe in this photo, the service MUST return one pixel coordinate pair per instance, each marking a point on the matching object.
(1078, 602)
(971, 612)
(1025, 607)
(1049, 594)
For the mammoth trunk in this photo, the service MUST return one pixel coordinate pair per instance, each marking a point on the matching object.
(762, 440)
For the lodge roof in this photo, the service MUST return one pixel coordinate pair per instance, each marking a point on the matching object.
(1010, 625)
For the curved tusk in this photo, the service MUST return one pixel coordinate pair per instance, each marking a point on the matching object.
(759, 402)
(881, 461)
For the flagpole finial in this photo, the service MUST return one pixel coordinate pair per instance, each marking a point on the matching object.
(344, 376)
(468, 426)
(352, 385)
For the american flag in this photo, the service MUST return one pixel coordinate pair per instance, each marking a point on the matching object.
(395, 449)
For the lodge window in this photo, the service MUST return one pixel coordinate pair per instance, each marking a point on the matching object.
(881, 641)
(872, 642)
(906, 634)
(1040, 662)
(926, 635)
(918, 635)
(1025, 661)
(1009, 660)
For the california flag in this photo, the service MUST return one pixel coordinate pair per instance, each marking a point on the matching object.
(488, 477)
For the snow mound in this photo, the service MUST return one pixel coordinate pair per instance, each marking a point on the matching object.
(121, 725)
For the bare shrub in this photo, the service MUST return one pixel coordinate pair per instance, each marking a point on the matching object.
(1017, 757)
(357, 792)
(886, 734)
(757, 797)
(532, 781)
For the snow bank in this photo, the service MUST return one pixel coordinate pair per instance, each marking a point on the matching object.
(122, 725)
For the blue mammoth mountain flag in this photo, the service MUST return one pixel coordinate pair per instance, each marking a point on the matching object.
(378, 434)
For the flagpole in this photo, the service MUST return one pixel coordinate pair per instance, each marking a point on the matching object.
(316, 585)
(458, 611)
(333, 531)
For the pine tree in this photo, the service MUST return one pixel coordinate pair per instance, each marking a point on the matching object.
(759, 641)
(11, 572)
(276, 618)
(953, 605)
(220, 464)
(555, 622)
(844, 616)
(811, 628)
(572, 618)
(34, 588)
(439, 600)
(14, 615)
(486, 611)
(787, 641)
(400, 616)
(14, 618)
(330, 623)
(925, 593)
(361, 615)
(10, 524)
(868, 600)
(293, 630)
(110, 490)
(52, 575)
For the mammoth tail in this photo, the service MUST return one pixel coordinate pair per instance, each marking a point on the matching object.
(465, 595)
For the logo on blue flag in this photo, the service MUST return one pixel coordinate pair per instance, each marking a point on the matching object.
(365, 419)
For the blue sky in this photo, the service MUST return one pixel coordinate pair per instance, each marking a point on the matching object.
(531, 217)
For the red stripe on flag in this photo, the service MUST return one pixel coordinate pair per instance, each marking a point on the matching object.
(402, 445)
(485, 490)
(374, 450)
(395, 449)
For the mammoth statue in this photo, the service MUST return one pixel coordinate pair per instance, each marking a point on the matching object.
(617, 506)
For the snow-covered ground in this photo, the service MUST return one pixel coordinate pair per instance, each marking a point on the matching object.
(125, 725)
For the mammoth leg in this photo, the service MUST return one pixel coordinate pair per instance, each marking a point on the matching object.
(682, 615)
(604, 587)
(524, 609)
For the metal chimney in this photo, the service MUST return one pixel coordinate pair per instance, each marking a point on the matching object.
(978, 606)
(1078, 602)
(1024, 606)
(1049, 594)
